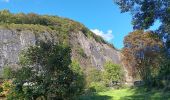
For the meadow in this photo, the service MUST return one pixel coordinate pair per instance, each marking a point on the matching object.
(128, 94)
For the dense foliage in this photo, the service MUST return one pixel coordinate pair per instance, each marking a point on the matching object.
(97, 80)
(145, 53)
(113, 72)
(79, 77)
(46, 73)
(94, 80)
(7, 72)
(146, 12)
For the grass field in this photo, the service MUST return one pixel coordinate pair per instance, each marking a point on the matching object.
(128, 94)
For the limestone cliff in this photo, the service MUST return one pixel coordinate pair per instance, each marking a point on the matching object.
(95, 54)
(15, 35)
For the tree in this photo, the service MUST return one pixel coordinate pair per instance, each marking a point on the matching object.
(146, 12)
(45, 72)
(95, 81)
(112, 72)
(143, 50)
(79, 77)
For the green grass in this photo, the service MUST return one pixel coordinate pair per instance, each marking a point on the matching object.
(128, 94)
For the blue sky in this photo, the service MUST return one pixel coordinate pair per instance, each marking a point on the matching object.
(101, 16)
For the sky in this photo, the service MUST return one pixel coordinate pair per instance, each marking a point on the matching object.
(102, 17)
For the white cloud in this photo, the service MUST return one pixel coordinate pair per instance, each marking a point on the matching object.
(5, 0)
(108, 36)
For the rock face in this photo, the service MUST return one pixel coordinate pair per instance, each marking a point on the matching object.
(87, 51)
(12, 42)
(97, 53)
(19, 31)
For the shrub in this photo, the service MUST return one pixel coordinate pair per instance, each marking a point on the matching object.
(8, 73)
(112, 72)
(62, 25)
(79, 78)
(46, 69)
(97, 87)
(81, 52)
(5, 88)
(93, 75)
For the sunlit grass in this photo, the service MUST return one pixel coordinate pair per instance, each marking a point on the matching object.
(128, 94)
(117, 94)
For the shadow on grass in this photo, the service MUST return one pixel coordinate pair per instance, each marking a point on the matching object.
(94, 97)
(144, 94)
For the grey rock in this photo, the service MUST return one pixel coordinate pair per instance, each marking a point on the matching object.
(12, 42)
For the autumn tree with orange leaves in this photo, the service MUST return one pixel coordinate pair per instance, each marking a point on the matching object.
(143, 53)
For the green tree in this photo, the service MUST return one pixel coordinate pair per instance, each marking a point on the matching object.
(146, 12)
(93, 75)
(113, 72)
(45, 72)
(94, 80)
(79, 77)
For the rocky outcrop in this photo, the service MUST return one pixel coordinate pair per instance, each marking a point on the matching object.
(97, 53)
(13, 41)
(87, 51)
(19, 31)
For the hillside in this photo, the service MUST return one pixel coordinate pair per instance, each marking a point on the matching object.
(18, 31)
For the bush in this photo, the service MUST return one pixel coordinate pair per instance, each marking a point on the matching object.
(8, 72)
(81, 52)
(95, 81)
(5, 88)
(112, 72)
(93, 75)
(79, 78)
(97, 87)
(45, 68)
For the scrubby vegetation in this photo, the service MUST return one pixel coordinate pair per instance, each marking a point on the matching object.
(45, 71)
(113, 73)
(31, 27)
(110, 77)
(40, 23)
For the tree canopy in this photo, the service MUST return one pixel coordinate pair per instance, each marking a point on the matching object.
(143, 51)
(113, 71)
(47, 71)
(146, 12)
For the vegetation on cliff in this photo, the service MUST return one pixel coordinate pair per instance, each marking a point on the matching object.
(62, 26)
(46, 70)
